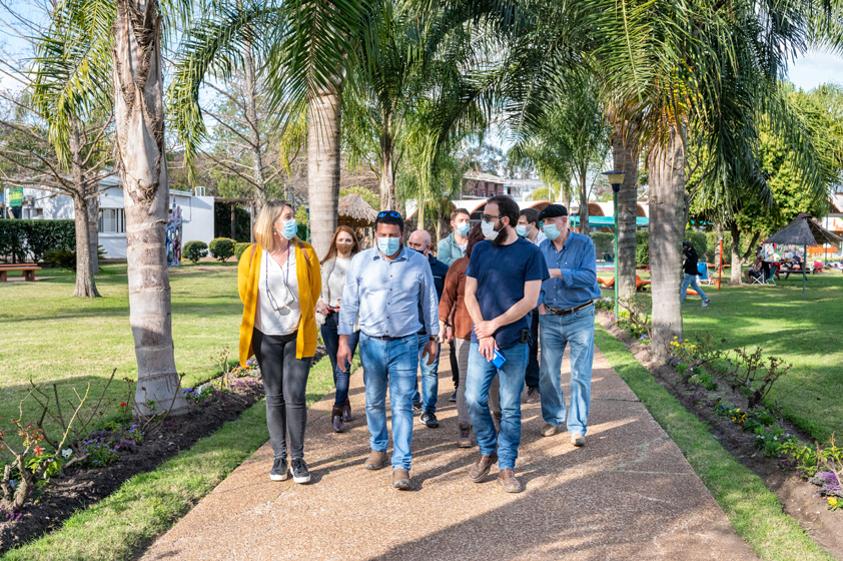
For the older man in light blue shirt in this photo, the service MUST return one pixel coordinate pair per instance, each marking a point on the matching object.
(389, 291)
(566, 317)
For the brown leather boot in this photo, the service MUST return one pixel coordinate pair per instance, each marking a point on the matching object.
(401, 479)
(376, 460)
(481, 467)
(507, 480)
(346, 412)
(336, 419)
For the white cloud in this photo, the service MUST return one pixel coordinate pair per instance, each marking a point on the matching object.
(816, 68)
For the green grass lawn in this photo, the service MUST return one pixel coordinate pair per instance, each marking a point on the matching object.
(806, 332)
(48, 336)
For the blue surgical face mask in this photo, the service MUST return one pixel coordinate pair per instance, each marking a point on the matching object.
(389, 246)
(463, 229)
(521, 230)
(488, 230)
(551, 231)
(290, 229)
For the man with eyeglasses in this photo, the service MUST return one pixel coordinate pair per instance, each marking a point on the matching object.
(502, 286)
(389, 290)
(566, 315)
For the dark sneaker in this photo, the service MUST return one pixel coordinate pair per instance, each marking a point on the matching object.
(336, 419)
(279, 470)
(300, 473)
(430, 420)
(465, 437)
(417, 406)
(481, 467)
(577, 440)
(401, 479)
(453, 398)
(376, 460)
(533, 395)
(706, 302)
(507, 480)
(346, 413)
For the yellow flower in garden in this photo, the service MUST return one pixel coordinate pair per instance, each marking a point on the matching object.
(834, 503)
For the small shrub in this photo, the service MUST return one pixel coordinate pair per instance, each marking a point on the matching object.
(195, 250)
(64, 258)
(222, 248)
(703, 379)
(239, 248)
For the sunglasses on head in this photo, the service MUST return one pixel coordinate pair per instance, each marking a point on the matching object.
(389, 214)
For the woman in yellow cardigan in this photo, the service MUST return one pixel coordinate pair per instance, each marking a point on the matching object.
(279, 283)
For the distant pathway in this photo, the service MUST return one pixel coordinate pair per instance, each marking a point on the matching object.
(629, 494)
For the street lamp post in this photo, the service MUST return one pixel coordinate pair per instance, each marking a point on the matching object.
(615, 180)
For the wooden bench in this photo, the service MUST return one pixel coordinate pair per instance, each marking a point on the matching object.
(28, 270)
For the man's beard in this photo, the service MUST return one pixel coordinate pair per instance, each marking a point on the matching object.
(502, 236)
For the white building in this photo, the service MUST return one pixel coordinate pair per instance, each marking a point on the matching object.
(197, 213)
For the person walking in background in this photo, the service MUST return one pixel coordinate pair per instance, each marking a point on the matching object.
(279, 282)
(566, 314)
(690, 274)
(502, 286)
(335, 266)
(528, 229)
(451, 248)
(426, 402)
(389, 290)
(455, 326)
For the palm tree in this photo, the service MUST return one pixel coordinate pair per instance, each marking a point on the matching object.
(115, 62)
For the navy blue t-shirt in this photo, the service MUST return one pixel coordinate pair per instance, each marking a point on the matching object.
(501, 272)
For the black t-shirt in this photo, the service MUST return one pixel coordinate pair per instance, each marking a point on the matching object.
(501, 272)
(691, 260)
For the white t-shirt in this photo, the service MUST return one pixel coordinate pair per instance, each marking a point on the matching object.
(278, 296)
(333, 280)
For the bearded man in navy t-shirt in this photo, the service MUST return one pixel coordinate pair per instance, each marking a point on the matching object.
(502, 287)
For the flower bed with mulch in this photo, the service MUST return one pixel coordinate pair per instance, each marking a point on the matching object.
(116, 453)
(725, 411)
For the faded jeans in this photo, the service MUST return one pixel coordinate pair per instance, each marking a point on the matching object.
(692, 281)
(393, 364)
(576, 330)
(429, 378)
(481, 374)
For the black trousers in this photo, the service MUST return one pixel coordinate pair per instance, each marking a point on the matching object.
(455, 367)
(531, 377)
(285, 383)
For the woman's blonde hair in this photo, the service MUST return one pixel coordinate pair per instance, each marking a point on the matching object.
(265, 224)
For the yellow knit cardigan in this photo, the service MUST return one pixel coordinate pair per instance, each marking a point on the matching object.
(310, 286)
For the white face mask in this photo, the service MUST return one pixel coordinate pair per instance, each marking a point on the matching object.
(488, 230)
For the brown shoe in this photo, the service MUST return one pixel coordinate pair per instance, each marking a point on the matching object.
(401, 479)
(577, 439)
(533, 395)
(376, 460)
(465, 437)
(481, 467)
(551, 430)
(507, 480)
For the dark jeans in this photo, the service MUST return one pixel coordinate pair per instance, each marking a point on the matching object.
(531, 377)
(284, 382)
(332, 343)
(455, 366)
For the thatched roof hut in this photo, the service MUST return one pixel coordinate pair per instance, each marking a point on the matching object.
(803, 230)
(355, 212)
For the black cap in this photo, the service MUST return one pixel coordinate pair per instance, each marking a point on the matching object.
(552, 211)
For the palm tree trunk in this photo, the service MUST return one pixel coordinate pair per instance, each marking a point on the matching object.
(667, 196)
(324, 116)
(735, 276)
(86, 286)
(625, 158)
(583, 196)
(93, 230)
(139, 121)
(387, 172)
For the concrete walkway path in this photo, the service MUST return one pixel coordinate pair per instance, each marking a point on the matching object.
(629, 494)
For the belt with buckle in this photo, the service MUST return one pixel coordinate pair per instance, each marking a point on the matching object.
(568, 311)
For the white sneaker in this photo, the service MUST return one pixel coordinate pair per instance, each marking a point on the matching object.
(706, 303)
(577, 439)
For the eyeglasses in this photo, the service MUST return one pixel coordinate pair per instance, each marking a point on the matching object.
(389, 213)
(489, 217)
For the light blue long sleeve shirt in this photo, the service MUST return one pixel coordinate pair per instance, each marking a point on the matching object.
(577, 262)
(393, 298)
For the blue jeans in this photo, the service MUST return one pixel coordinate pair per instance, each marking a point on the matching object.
(332, 341)
(557, 332)
(391, 363)
(511, 375)
(691, 280)
(429, 379)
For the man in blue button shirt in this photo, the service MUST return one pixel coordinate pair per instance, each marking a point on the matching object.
(389, 290)
(566, 317)
(502, 286)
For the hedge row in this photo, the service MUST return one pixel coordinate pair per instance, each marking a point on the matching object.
(26, 241)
